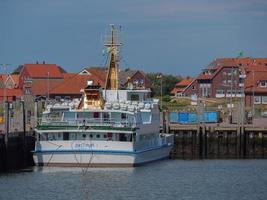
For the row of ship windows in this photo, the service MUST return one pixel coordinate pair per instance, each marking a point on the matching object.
(84, 136)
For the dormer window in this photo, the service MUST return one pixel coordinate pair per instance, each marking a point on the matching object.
(263, 83)
(84, 72)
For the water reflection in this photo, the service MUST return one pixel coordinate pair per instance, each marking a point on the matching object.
(207, 179)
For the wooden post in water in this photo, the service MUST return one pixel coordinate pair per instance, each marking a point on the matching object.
(167, 122)
(6, 122)
(35, 112)
(254, 145)
(262, 144)
(227, 143)
(205, 142)
(200, 146)
(24, 133)
(244, 144)
(192, 143)
(218, 144)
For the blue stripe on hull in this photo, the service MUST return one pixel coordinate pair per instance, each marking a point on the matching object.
(99, 151)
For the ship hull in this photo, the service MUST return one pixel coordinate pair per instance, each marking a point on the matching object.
(100, 158)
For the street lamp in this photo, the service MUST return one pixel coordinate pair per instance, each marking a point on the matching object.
(160, 77)
(48, 85)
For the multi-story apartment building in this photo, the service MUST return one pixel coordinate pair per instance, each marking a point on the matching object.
(232, 77)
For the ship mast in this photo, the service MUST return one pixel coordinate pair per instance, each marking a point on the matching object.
(112, 45)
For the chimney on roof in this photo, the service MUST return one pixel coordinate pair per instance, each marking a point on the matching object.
(37, 62)
(44, 62)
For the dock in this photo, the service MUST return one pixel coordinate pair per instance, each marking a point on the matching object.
(217, 140)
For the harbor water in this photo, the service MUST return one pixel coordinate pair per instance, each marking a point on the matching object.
(169, 179)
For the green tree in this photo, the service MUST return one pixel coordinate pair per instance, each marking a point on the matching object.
(168, 82)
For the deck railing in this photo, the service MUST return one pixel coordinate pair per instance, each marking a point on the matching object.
(87, 122)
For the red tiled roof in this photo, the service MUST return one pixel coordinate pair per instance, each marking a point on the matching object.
(42, 70)
(185, 82)
(41, 87)
(74, 84)
(241, 62)
(10, 92)
(68, 75)
(258, 76)
(15, 78)
(175, 90)
(254, 74)
(101, 73)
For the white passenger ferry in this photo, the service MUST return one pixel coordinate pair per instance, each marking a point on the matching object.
(109, 127)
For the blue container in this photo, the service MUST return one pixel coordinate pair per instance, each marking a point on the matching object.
(183, 117)
(192, 118)
(173, 116)
(210, 117)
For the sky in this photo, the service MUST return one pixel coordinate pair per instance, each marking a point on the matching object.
(177, 37)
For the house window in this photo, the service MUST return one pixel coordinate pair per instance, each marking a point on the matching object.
(84, 72)
(257, 100)
(238, 92)
(219, 91)
(230, 92)
(193, 87)
(263, 83)
(264, 99)
(27, 91)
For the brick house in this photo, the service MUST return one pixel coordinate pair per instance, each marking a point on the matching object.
(37, 79)
(9, 87)
(133, 79)
(256, 85)
(9, 81)
(179, 89)
(10, 94)
(220, 79)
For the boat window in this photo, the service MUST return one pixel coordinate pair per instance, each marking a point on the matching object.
(105, 136)
(134, 97)
(96, 114)
(146, 117)
(43, 137)
(84, 135)
(130, 120)
(106, 116)
(116, 117)
(65, 136)
(91, 135)
(109, 135)
(98, 136)
(123, 115)
(69, 116)
(73, 136)
(84, 115)
(122, 137)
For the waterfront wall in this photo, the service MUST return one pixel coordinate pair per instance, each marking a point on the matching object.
(224, 144)
(16, 153)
